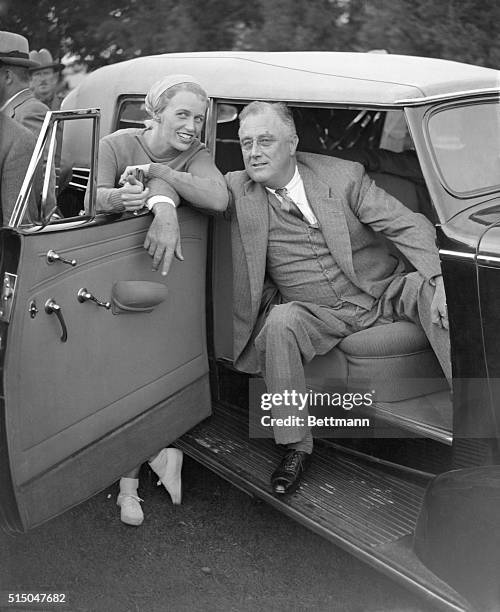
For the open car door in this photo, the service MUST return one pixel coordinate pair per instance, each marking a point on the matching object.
(104, 361)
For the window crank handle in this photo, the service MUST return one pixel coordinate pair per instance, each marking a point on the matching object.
(52, 256)
(85, 296)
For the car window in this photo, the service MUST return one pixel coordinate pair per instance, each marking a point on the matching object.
(132, 113)
(326, 131)
(465, 142)
(54, 187)
(377, 139)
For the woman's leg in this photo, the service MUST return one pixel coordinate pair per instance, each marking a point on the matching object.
(128, 500)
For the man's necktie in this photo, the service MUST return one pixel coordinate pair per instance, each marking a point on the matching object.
(288, 204)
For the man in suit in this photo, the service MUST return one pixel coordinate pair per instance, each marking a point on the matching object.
(18, 102)
(310, 269)
(45, 79)
(16, 98)
(16, 146)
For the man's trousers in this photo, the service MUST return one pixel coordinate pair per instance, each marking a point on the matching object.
(295, 332)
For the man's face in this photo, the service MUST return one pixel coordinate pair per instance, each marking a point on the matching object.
(43, 82)
(268, 149)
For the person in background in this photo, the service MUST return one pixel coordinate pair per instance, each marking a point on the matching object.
(174, 164)
(18, 102)
(46, 85)
(44, 79)
(16, 99)
(16, 147)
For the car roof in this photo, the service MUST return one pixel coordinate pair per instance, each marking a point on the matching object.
(355, 78)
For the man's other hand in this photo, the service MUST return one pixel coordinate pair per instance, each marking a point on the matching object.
(163, 239)
(439, 311)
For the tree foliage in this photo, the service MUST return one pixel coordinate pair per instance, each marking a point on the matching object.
(296, 25)
(106, 31)
(464, 30)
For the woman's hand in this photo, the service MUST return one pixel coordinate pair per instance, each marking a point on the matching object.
(133, 195)
(130, 170)
(163, 239)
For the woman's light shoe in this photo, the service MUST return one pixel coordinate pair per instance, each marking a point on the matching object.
(168, 465)
(131, 511)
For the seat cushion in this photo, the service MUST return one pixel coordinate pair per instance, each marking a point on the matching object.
(392, 359)
(391, 340)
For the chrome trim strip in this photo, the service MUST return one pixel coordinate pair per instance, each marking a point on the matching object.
(488, 258)
(457, 254)
(315, 103)
(426, 429)
(470, 256)
(211, 126)
(449, 96)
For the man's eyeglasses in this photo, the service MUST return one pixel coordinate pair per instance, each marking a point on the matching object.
(263, 142)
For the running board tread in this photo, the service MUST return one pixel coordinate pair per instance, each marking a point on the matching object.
(363, 501)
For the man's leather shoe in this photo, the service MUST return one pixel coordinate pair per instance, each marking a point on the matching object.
(286, 476)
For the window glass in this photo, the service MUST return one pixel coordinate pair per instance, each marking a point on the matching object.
(131, 114)
(465, 141)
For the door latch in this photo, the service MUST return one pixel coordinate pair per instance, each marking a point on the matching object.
(7, 296)
(52, 307)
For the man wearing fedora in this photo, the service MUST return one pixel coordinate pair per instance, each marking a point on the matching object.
(18, 102)
(45, 79)
(16, 98)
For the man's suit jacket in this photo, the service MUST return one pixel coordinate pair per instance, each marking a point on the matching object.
(351, 211)
(16, 147)
(30, 112)
(27, 110)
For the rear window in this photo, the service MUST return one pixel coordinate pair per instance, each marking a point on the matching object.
(131, 113)
(465, 142)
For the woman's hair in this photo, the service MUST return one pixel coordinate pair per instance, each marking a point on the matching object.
(163, 91)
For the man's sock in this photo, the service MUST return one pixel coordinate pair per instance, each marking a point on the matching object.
(305, 445)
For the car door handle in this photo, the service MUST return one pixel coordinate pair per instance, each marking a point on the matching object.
(52, 256)
(52, 307)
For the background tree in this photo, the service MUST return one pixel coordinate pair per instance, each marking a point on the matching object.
(106, 31)
(464, 30)
(296, 25)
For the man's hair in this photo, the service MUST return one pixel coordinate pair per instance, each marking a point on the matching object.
(280, 109)
(22, 73)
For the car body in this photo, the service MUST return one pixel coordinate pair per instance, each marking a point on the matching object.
(91, 389)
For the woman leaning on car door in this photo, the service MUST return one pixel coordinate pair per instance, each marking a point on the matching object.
(154, 167)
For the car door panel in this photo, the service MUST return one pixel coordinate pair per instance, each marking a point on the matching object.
(66, 402)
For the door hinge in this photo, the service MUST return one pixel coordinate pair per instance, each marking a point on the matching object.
(7, 296)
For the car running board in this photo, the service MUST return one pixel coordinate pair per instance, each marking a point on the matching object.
(368, 510)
